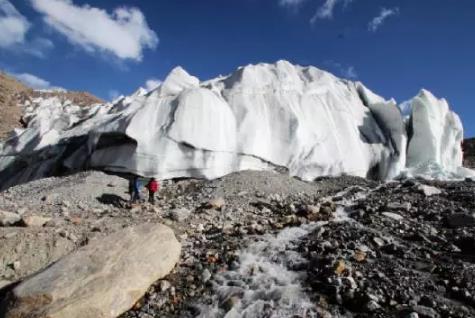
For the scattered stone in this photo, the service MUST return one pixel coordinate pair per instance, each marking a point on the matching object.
(359, 256)
(340, 267)
(164, 285)
(9, 218)
(216, 203)
(104, 278)
(179, 215)
(425, 311)
(379, 241)
(22, 211)
(16, 265)
(372, 306)
(34, 220)
(428, 190)
(205, 275)
(394, 216)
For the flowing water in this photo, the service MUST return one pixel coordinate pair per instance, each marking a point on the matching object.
(267, 281)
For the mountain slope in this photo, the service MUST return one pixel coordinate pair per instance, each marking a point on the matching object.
(14, 95)
(9, 108)
(469, 152)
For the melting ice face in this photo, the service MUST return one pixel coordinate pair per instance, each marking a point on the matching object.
(261, 117)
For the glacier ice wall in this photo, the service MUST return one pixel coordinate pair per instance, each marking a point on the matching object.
(265, 116)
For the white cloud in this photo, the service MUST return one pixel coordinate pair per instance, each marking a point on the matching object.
(381, 18)
(326, 10)
(342, 70)
(13, 25)
(291, 3)
(123, 33)
(38, 47)
(114, 94)
(349, 72)
(152, 84)
(32, 81)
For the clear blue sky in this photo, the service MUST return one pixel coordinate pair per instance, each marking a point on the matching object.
(414, 44)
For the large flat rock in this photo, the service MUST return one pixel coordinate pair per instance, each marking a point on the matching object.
(102, 279)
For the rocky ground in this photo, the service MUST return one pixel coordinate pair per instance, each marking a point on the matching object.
(262, 244)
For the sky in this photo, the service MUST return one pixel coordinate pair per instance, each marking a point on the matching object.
(111, 48)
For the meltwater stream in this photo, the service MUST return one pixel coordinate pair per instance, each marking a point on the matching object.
(267, 281)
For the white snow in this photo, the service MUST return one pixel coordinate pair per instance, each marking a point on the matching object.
(260, 117)
(436, 135)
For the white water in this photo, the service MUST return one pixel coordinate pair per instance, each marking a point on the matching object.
(263, 284)
(266, 281)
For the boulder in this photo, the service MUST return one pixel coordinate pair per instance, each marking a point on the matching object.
(428, 190)
(4, 283)
(216, 203)
(102, 279)
(9, 218)
(35, 220)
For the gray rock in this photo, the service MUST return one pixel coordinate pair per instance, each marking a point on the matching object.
(206, 275)
(165, 285)
(4, 283)
(9, 218)
(425, 311)
(34, 220)
(394, 216)
(216, 203)
(179, 215)
(102, 279)
(428, 190)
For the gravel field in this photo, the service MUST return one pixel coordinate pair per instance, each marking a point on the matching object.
(262, 244)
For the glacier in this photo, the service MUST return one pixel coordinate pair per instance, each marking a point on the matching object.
(261, 117)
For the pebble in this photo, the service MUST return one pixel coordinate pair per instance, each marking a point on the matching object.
(205, 275)
(164, 285)
(179, 215)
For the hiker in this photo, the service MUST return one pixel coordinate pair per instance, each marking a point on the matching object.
(152, 187)
(134, 187)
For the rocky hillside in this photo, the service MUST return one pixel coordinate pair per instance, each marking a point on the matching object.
(10, 112)
(13, 94)
(469, 153)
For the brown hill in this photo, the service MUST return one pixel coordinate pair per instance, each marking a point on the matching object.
(10, 112)
(469, 153)
(13, 94)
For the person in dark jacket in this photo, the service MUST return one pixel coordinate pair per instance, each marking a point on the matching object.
(152, 187)
(135, 187)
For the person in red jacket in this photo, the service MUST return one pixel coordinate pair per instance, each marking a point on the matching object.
(152, 187)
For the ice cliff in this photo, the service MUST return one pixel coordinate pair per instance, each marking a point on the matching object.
(263, 116)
